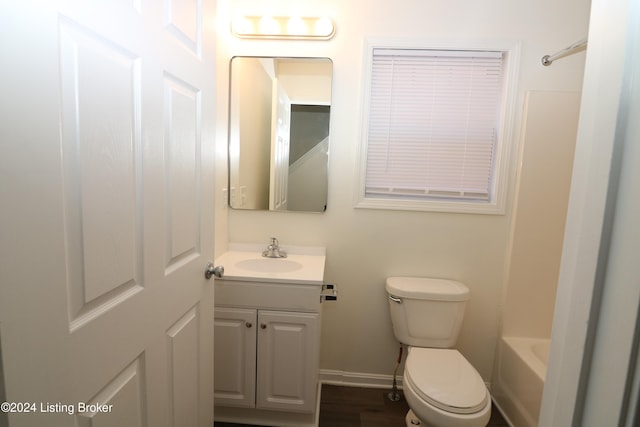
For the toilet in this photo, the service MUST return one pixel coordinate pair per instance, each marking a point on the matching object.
(441, 387)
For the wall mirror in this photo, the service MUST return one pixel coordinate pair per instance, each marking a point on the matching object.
(279, 110)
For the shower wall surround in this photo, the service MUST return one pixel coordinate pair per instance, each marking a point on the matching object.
(549, 133)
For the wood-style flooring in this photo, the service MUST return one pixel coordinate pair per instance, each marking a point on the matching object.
(365, 407)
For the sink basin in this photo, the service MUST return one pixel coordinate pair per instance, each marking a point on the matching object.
(269, 265)
(244, 262)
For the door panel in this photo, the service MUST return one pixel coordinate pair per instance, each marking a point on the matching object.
(101, 157)
(119, 403)
(107, 211)
(182, 115)
(183, 20)
(183, 343)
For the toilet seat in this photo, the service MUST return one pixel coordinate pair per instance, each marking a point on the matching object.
(446, 380)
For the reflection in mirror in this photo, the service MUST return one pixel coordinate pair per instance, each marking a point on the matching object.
(279, 111)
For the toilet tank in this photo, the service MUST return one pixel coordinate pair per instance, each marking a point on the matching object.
(426, 312)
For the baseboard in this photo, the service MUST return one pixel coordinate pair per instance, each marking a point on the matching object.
(358, 379)
(362, 379)
(497, 405)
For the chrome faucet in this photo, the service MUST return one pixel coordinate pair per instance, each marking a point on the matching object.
(273, 250)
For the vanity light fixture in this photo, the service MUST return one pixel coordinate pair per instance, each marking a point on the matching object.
(283, 27)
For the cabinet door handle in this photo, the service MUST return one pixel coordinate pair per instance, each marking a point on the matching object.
(263, 326)
(248, 324)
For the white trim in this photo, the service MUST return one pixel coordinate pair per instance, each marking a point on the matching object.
(267, 417)
(362, 379)
(506, 418)
(507, 142)
(357, 379)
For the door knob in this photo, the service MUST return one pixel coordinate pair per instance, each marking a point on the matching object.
(210, 270)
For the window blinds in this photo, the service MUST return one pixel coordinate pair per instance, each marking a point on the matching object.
(433, 123)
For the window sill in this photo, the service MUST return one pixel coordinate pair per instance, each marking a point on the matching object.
(464, 207)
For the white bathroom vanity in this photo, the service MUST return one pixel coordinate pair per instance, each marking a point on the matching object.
(267, 336)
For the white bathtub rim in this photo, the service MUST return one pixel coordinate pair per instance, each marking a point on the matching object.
(523, 346)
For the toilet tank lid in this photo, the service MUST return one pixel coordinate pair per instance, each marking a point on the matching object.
(427, 288)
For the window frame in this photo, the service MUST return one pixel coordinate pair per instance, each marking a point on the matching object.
(505, 143)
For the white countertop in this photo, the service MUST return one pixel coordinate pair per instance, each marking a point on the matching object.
(303, 264)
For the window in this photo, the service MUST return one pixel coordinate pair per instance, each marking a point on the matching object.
(434, 129)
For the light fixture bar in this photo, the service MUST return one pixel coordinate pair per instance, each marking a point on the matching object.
(283, 27)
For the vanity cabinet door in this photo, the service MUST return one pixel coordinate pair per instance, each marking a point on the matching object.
(287, 361)
(235, 357)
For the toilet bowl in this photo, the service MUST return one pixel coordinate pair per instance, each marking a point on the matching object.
(441, 387)
(444, 390)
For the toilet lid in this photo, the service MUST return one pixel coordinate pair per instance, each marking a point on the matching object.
(446, 380)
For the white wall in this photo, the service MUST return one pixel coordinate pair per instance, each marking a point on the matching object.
(252, 143)
(308, 82)
(366, 246)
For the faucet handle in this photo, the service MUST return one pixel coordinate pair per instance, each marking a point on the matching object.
(273, 250)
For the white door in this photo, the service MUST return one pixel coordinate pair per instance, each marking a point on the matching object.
(106, 219)
(280, 139)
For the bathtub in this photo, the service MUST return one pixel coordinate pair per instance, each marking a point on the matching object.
(522, 367)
